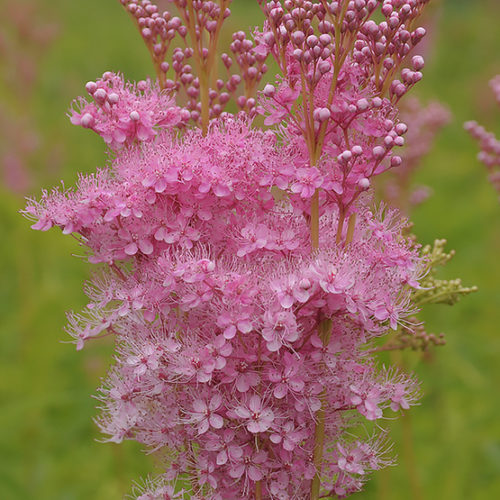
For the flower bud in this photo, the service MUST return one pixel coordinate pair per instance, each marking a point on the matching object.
(113, 98)
(87, 120)
(418, 63)
(396, 161)
(364, 183)
(322, 114)
(91, 87)
(312, 40)
(269, 90)
(100, 95)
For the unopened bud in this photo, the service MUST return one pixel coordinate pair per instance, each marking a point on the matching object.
(418, 63)
(100, 95)
(185, 115)
(322, 114)
(396, 161)
(298, 37)
(91, 87)
(378, 151)
(401, 128)
(312, 40)
(345, 156)
(87, 120)
(364, 183)
(269, 90)
(362, 104)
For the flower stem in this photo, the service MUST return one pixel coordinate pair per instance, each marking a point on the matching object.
(258, 490)
(204, 89)
(319, 439)
(340, 225)
(325, 330)
(350, 228)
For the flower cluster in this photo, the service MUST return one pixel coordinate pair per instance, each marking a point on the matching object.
(217, 317)
(489, 144)
(191, 70)
(246, 270)
(122, 113)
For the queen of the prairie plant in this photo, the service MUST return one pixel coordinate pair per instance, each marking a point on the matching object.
(244, 271)
(489, 144)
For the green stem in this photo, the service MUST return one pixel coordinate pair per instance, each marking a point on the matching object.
(258, 490)
(325, 330)
(350, 228)
(340, 226)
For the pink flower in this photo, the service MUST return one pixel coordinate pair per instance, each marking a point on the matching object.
(288, 378)
(367, 401)
(134, 243)
(308, 180)
(288, 436)
(257, 417)
(241, 374)
(251, 465)
(226, 448)
(279, 328)
(291, 289)
(204, 414)
(148, 359)
(350, 461)
(281, 104)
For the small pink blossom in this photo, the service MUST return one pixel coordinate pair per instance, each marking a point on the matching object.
(204, 414)
(257, 417)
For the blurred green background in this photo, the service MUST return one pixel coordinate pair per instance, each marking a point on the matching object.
(48, 442)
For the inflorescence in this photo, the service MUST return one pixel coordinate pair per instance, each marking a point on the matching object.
(244, 269)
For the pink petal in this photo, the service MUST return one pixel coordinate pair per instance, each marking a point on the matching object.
(254, 474)
(242, 384)
(216, 421)
(161, 185)
(286, 301)
(131, 249)
(254, 427)
(160, 234)
(199, 406)
(203, 426)
(255, 404)
(230, 332)
(222, 457)
(220, 190)
(146, 247)
(242, 412)
(215, 402)
(280, 391)
(237, 471)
